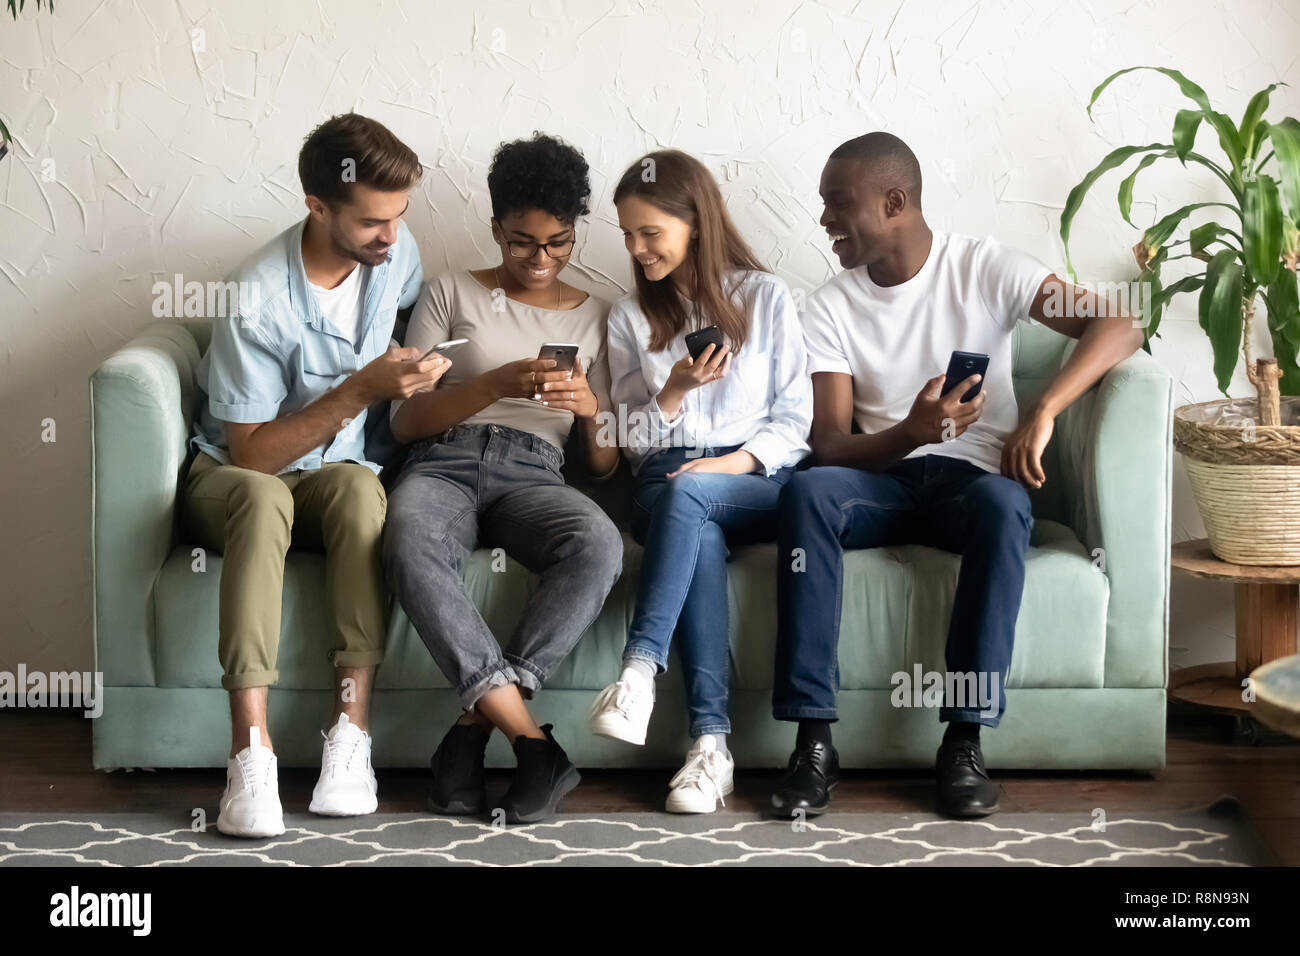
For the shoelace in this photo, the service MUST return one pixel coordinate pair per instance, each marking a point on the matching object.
(968, 755)
(622, 695)
(340, 753)
(707, 764)
(807, 757)
(249, 768)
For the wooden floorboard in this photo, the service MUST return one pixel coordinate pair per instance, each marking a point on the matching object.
(45, 766)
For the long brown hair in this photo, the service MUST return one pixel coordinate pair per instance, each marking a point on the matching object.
(681, 186)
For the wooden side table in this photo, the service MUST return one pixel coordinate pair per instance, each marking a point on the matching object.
(1268, 609)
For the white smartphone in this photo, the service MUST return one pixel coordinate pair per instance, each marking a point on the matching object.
(442, 347)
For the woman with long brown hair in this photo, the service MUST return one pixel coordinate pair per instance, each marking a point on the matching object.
(712, 437)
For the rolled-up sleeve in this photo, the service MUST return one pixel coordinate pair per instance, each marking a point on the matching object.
(646, 426)
(783, 441)
(246, 380)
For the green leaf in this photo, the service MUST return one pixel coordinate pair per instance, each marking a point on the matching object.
(1159, 233)
(1220, 313)
(1185, 125)
(1262, 229)
(1073, 201)
(1126, 187)
(1229, 140)
(1190, 89)
(1201, 236)
(1286, 144)
(1250, 120)
(1283, 300)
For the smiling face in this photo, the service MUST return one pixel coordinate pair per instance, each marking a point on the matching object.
(658, 241)
(860, 218)
(539, 270)
(365, 227)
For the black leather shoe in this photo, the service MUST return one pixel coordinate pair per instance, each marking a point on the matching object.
(810, 776)
(965, 789)
(457, 765)
(542, 779)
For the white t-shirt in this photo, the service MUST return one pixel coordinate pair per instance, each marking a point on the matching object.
(341, 305)
(968, 296)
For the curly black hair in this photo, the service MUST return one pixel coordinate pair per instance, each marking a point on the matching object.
(543, 173)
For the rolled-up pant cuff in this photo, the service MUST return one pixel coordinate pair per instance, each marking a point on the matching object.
(529, 677)
(966, 715)
(497, 675)
(636, 654)
(805, 713)
(249, 679)
(371, 658)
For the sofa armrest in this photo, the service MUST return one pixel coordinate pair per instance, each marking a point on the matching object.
(141, 399)
(1116, 457)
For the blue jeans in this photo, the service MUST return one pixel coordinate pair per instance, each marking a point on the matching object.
(685, 524)
(934, 500)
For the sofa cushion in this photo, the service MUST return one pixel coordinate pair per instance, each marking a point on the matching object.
(895, 614)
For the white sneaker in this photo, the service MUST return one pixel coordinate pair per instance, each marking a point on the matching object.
(622, 710)
(250, 807)
(702, 783)
(347, 786)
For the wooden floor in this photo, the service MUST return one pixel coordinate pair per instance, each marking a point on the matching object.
(45, 766)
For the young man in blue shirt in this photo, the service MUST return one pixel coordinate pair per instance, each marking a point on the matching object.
(287, 383)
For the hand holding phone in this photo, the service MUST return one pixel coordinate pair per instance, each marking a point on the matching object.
(961, 366)
(699, 340)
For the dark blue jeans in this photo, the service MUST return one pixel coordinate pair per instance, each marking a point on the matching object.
(934, 500)
(685, 524)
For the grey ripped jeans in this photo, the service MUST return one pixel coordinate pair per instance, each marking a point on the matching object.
(493, 486)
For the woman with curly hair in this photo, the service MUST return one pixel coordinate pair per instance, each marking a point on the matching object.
(718, 431)
(484, 471)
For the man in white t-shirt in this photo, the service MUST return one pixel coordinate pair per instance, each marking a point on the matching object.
(927, 467)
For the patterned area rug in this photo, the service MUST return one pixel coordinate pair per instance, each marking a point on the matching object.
(1204, 838)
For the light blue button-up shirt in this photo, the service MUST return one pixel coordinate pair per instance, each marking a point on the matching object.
(275, 353)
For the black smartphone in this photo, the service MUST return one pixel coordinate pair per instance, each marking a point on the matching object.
(698, 341)
(564, 353)
(961, 366)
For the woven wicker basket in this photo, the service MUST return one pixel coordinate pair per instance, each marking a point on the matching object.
(1246, 479)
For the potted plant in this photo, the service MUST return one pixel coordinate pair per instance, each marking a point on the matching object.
(14, 7)
(1242, 455)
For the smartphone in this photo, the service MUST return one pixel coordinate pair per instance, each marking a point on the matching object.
(698, 341)
(961, 366)
(564, 353)
(442, 347)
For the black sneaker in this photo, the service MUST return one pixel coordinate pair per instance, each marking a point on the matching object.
(965, 789)
(542, 779)
(457, 765)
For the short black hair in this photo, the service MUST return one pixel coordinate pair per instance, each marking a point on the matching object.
(375, 158)
(891, 162)
(544, 173)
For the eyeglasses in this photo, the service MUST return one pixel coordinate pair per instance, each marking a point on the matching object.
(526, 250)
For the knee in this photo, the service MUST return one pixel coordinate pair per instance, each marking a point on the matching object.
(1002, 503)
(601, 545)
(685, 492)
(354, 497)
(804, 495)
(261, 500)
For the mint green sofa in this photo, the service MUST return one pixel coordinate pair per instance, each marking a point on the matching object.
(1086, 688)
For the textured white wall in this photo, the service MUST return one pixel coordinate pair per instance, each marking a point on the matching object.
(145, 148)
